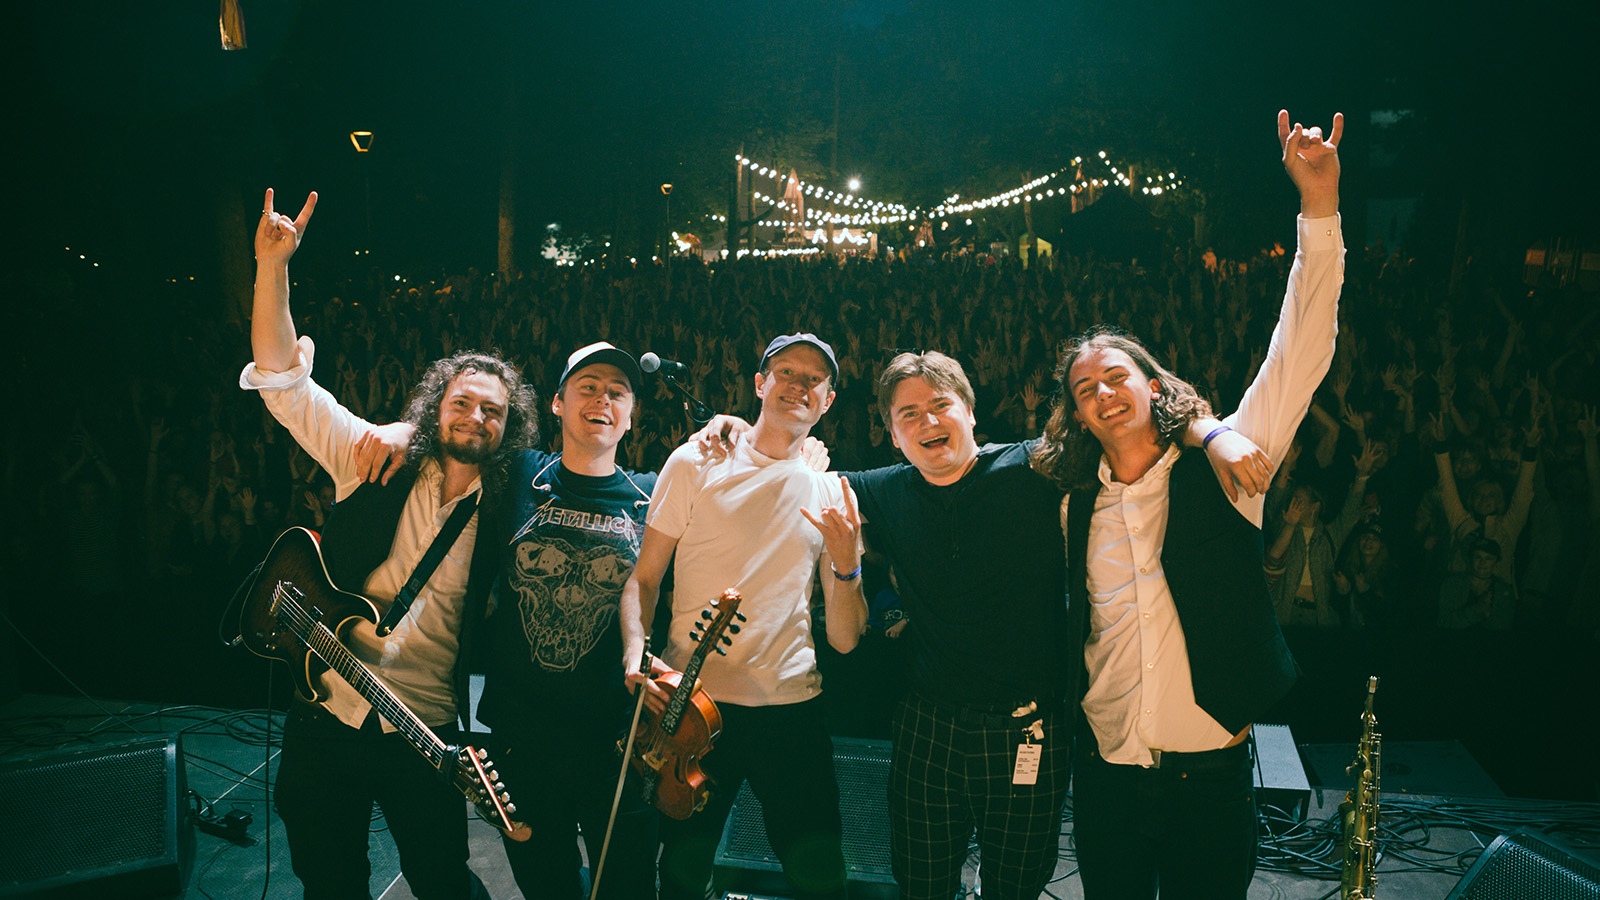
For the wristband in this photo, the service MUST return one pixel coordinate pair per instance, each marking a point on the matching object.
(851, 576)
(1206, 444)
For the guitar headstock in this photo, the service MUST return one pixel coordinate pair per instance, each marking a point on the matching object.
(714, 621)
(475, 776)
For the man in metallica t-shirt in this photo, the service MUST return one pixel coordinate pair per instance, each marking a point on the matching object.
(552, 693)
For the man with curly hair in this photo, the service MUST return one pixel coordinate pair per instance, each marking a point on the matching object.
(1173, 647)
(473, 416)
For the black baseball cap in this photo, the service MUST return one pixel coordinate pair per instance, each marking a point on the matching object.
(784, 341)
(602, 352)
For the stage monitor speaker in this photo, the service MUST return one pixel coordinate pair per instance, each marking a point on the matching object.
(745, 860)
(1279, 774)
(1526, 866)
(102, 821)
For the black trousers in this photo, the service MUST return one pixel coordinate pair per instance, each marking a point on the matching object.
(1187, 828)
(950, 775)
(561, 782)
(785, 753)
(328, 778)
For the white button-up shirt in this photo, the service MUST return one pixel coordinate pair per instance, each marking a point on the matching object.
(1140, 694)
(417, 658)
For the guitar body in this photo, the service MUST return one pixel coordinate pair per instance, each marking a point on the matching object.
(292, 612)
(296, 558)
(683, 787)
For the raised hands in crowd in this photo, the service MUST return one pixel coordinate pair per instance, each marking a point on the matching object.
(1405, 382)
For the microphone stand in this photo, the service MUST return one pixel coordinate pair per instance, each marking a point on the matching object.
(698, 412)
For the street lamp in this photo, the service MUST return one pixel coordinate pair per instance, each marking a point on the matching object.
(855, 185)
(666, 191)
(362, 141)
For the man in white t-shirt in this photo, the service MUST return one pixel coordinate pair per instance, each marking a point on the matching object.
(759, 520)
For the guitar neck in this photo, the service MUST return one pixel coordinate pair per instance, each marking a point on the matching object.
(327, 646)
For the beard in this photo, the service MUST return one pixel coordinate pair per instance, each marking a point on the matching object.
(470, 454)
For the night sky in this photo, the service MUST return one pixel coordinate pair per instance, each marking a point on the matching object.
(145, 146)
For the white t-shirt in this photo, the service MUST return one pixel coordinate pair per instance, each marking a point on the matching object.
(738, 524)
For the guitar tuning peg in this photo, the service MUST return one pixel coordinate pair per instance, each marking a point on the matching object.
(694, 636)
(493, 775)
(499, 786)
(727, 640)
(511, 809)
(733, 628)
(740, 617)
(482, 754)
(505, 798)
(721, 651)
(705, 614)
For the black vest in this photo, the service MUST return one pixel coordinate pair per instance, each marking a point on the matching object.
(359, 533)
(1212, 557)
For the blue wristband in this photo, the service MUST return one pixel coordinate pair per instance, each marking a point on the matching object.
(852, 576)
(1206, 444)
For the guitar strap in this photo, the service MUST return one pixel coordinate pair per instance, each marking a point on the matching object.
(430, 561)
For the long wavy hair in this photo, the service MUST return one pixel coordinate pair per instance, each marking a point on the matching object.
(1068, 453)
(522, 416)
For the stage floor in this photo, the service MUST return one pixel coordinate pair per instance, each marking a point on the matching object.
(229, 761)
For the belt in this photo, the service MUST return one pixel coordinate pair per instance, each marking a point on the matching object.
(1202, 759)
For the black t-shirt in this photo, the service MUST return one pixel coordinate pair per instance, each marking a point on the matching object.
(982, 570)
(554, 640)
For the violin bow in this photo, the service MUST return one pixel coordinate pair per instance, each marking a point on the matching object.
(627, 760)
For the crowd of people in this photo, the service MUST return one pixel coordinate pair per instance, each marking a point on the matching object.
(1505, 396)
(1445, 480)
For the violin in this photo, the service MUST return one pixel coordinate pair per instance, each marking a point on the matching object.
(667, 749)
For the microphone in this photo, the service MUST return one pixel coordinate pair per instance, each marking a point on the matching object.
(651, 363)
(670, 373)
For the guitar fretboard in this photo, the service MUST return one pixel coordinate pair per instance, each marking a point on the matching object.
(327, 646)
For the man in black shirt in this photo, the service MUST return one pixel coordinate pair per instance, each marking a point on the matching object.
(552, 692)
(980, 744)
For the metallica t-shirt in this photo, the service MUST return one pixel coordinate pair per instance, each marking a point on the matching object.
(553, 637)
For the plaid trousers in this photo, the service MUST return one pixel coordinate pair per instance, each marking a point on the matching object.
(950, 775)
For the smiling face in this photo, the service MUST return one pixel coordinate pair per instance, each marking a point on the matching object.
(595, 406)
(472, 417)
(933, 428)
(1112, 395)
(1370, 545)
(1483, 564)
(1488, 499)
(797, 386)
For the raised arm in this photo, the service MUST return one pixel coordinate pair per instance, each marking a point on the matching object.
(841, 588)
(1455, 512)
(1302, 344)
(1312, 164)
(1589, 427)
(272, 335)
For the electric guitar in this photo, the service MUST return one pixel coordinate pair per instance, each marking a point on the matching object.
(293, 613)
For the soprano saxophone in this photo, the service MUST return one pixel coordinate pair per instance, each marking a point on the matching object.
(1358, 814)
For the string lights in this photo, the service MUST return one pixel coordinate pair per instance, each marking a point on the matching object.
(1063, 182)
